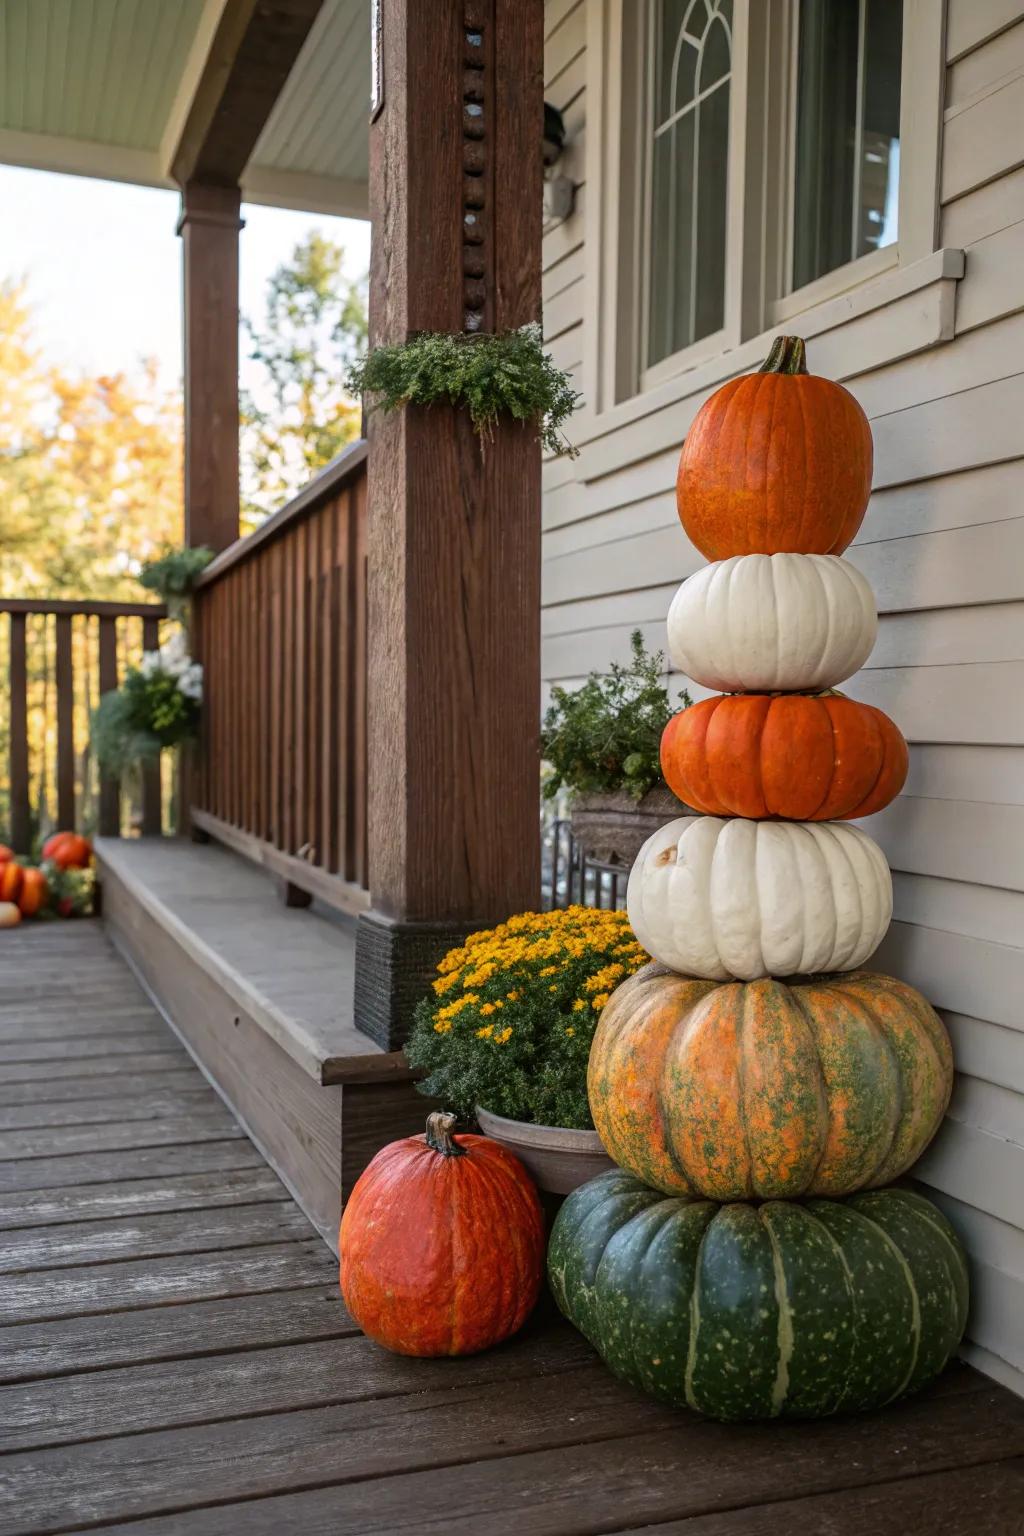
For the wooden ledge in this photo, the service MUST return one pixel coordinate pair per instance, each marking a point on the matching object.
(291, 972)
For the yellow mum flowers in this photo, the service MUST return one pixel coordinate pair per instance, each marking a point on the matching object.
(538, 971)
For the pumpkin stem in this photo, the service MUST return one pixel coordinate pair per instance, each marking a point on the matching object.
(440, 1125)
(788, 355)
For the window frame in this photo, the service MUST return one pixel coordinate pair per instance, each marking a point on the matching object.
(758, 201)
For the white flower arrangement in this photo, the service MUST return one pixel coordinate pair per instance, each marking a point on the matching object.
(174, 661)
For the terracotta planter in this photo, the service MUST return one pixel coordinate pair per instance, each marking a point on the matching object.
(559, 1159)
(612, 828)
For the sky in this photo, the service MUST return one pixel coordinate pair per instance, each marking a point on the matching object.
(103, 265)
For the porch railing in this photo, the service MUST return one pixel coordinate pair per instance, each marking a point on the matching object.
(60, 656)
(280, 621)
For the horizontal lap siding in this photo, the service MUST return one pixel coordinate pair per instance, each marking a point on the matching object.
(943, 545)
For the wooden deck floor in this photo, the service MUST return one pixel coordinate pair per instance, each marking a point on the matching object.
(178, 1363)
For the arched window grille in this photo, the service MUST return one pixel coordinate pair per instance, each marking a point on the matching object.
(689, 75)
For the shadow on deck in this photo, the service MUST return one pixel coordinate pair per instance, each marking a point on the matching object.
(177, 1356)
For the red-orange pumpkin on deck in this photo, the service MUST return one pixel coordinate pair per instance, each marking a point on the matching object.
(776, 461)
(818, 757)
(442, 1244)
(34, 892)
(11, 875)
(68, 850)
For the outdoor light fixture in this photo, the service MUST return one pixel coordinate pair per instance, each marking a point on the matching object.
(559, 191)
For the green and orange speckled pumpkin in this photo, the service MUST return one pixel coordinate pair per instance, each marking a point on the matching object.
(442, 1244)
(819, 757)
(767, 1089)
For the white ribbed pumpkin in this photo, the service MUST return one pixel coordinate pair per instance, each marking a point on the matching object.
(740, 899)
(766, 623)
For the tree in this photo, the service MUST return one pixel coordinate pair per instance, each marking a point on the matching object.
(300, 416)
(90, 471)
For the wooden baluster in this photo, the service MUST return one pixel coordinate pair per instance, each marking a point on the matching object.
(110, 786)
(65, 723)
(358, 761)
(19, 828)
(330, 640)
(152, 811)
(275, 683)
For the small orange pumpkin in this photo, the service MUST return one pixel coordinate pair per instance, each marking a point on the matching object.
(821, 757)
(10, 917)
(11, 874)
(34, 892)
(68, 850)
(6, 853)
(442, 1244)
(776, 461)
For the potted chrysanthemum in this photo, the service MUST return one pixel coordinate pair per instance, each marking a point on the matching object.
(505, 1038)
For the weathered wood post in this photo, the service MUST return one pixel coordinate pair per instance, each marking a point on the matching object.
(209, 227)
(454, 523)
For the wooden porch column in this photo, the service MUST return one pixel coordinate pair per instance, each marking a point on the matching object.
(209, 226)
(454, 524)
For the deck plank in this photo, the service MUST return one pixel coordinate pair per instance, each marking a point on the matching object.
(171, 1057)
(970, 1501)
(177, 1360)
(74, 1139)
(144, 1237)
(473, 1460)
(306, 1309)
(189, 1156)
(159, 1282)
(342, 1369)
(145, 1104)
(139, 1197)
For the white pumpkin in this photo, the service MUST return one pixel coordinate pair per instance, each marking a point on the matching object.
(768, 623)
(737, 899)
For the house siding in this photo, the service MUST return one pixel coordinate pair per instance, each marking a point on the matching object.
(943, 545)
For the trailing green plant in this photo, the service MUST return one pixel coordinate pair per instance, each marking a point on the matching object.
(173, 576)
(606, 735)
(513, 1012)
(505, 374)
(157, 706)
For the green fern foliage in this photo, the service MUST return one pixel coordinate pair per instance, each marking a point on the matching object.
(506, 374)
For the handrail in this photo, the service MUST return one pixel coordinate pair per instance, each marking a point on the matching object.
(88, 610)
(327, 483)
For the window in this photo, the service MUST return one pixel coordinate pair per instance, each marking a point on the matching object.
(846, 133)
(747, 162)
(688, 88)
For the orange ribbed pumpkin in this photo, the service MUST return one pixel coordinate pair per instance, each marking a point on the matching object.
(816, 1086)
(818, 757)
(68, 850)
(776, 461)
(442, 1244)
(33, 893)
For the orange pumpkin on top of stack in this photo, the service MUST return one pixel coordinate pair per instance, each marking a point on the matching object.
(754, 1063)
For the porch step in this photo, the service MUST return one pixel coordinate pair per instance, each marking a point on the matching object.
(261, 996)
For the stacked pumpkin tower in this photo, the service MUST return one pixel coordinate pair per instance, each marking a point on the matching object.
(758, 1091)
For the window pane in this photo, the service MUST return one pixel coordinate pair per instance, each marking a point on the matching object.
(689, 145)
(847, 132)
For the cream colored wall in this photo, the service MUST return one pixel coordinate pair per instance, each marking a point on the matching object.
(943, 545)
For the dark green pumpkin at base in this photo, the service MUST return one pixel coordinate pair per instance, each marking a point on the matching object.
(741, 1311)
